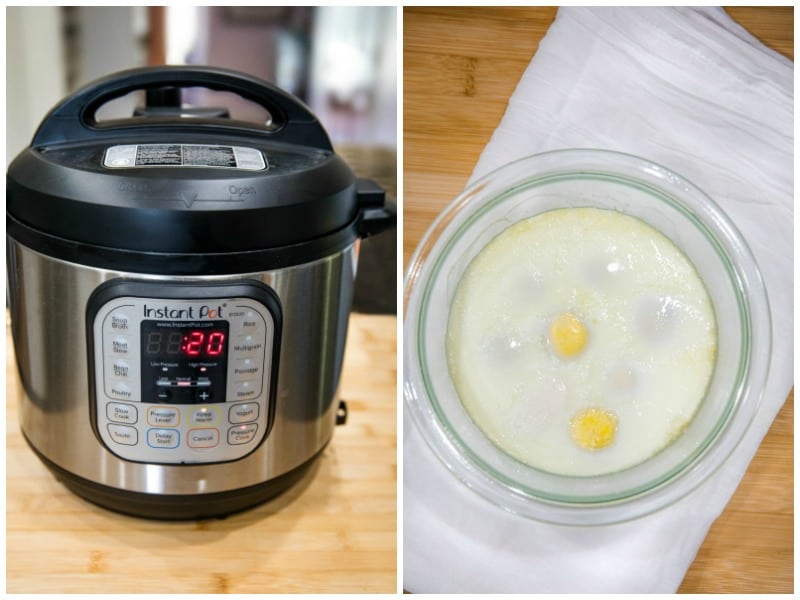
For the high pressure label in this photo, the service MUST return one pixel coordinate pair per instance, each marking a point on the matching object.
(183, 155)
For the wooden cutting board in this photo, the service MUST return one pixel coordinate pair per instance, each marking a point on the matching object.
(460, 67)
(336, 531)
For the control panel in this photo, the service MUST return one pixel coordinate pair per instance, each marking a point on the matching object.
(183, 375)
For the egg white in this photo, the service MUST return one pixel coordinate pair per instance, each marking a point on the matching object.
(651, 338)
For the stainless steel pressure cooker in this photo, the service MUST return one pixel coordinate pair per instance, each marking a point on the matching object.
(179, 285)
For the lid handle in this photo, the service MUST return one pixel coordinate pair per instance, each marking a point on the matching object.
(73, 119)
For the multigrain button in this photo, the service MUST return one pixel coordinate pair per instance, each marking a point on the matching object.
(241, 413)
(241, 434)
(248, 345)
(123, 434)
(121, 413)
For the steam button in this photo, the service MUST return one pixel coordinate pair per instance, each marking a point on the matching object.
(246, 390)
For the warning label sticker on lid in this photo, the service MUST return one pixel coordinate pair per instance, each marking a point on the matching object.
(183, 155)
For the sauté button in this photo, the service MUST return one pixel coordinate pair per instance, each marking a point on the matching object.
(123, 434)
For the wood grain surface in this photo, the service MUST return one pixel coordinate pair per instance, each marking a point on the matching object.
(461, 65)
(336, 531)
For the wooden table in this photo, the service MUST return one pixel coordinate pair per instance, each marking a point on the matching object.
(336, 531)
(454, 98)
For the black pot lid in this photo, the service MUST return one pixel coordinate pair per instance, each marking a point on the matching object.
(174, 181)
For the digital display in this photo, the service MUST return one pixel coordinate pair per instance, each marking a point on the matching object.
(193, 342)
(184, 362)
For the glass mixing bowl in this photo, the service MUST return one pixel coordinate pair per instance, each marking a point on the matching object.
(671, 204)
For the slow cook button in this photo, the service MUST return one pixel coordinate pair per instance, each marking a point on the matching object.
(202, 438)
(163, 416)
(163, 438)
(121, 413)
(241, 413)
(241, 434)
(247, 368)
(123, 434)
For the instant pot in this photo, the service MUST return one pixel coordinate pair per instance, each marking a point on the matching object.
(179, 286)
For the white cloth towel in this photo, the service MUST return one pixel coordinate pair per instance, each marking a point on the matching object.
(692, 90)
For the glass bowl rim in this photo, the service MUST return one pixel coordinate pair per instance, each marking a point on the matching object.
(670, 487)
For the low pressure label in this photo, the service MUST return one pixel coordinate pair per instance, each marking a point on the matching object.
(184, 155)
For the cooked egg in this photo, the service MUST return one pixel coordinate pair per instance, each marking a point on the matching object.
(567, 335)
(581, 341)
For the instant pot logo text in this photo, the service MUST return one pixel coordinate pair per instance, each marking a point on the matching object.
(188, 312)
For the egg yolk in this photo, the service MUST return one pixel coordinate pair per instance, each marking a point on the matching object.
(568, 335)
(593, 428)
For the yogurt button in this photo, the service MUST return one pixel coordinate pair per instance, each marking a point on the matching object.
(241, 413)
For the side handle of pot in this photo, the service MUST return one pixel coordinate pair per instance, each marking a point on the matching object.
(375, 213)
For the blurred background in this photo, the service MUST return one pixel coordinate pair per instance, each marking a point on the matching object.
(340, 60)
